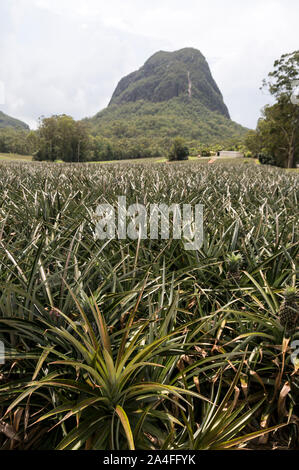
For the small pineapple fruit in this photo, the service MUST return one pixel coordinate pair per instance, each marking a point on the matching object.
(233, 262)
(289, 309)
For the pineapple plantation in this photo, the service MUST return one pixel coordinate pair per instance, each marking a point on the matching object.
(141, 344)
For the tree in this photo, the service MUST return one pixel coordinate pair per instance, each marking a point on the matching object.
(178, 150)
(63, 138)
(280, 81)
(278, 130)
(31, 142)
(278, 133)
(253, 143)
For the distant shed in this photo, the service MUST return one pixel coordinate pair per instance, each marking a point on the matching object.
(225, 153)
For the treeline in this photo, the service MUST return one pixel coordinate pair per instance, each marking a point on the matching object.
(18, 141)
(63, 138)
(60, 137)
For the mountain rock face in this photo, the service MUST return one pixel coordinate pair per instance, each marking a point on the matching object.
(172, 94)
(167, 75)
(7, 121)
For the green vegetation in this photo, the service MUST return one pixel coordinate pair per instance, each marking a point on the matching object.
(15, 157)
(145, 129)
(141, 344)
(62, 138)
(7, 121)
(276, 139)
(178, 150)
(18, 141)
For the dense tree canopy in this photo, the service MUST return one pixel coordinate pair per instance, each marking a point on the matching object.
(17, 141)
(62, 138)
(147, 129)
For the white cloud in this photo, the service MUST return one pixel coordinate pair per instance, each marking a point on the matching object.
(68, 55)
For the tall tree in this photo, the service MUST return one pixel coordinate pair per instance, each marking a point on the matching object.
(280, 122)
(280, 81)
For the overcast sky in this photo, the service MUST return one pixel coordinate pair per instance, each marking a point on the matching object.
(67, 56)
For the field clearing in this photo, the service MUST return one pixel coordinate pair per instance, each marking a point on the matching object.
(25, 158)
(124, 344)
(14, 157)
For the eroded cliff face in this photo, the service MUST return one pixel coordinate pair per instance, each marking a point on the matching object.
(167, 75)
(172, 94)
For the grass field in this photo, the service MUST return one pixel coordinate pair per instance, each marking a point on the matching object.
(14, 157)
(139, 343)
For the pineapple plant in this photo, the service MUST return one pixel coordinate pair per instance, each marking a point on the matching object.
(289, 309)
(234, 262)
